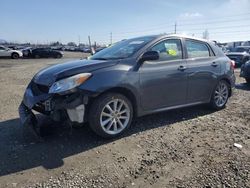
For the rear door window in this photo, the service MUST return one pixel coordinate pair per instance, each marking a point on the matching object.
(197, 49)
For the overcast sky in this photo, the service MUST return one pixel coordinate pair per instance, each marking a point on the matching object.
(70, 20)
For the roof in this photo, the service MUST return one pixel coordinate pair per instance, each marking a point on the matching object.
(186, 36)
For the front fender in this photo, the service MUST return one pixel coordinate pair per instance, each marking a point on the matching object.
(104, 80)
(108, 78)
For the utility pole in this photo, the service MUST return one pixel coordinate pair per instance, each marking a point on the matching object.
(89, 42)
(91, 49)
(111, 38)
(175, 28)
(79, 40)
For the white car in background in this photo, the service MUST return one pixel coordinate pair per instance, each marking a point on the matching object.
(7, 52)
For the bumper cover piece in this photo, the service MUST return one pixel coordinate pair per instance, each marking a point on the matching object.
(28, 119)
(76, 114)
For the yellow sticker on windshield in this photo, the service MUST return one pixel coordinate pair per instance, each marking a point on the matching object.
(172, 52)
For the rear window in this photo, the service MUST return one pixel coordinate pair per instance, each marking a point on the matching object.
(197, 49)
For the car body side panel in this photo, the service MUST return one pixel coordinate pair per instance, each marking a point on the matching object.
(162, 84)
(4, 53)
(202, 77)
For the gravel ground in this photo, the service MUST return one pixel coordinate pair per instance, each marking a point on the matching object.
(191, 147)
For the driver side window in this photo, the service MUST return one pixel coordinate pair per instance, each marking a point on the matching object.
(169, 50)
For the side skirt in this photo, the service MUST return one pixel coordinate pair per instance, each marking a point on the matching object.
(171, 108)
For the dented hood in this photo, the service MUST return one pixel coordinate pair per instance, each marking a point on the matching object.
(53, 73)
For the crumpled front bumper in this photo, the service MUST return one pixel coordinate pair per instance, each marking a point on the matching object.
(27, 117)
(57, 107)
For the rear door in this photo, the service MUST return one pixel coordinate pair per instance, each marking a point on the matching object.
(203, 70)
(163, 82)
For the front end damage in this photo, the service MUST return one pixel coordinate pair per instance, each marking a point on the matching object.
(69, 107)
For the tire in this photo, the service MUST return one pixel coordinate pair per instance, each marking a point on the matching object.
(37, 56)
(58, 56)
(14, 55)
(248, 81)
(220, 95)
(112, 125)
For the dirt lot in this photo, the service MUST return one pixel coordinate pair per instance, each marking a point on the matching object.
(190, 147)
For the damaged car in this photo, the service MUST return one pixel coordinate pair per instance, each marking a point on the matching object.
(133, 78)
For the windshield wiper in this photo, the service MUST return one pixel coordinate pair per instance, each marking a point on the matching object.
(99, 58)
(110, 58)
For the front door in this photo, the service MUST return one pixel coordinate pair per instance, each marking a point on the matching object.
(3, 52)
(163, 82)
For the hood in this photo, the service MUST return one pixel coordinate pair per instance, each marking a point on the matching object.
(53, 73)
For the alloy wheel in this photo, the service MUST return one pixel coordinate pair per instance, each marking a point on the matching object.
(115, 116)
(221, 94)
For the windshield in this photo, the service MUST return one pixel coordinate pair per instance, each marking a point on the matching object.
(123, 49)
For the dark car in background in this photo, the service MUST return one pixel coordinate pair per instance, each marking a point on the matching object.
(46, 53)
(242, 49)
(240, 58)
(245, 71)
(99, 49)
(133, 78)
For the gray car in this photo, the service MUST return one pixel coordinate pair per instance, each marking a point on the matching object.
(133, 78)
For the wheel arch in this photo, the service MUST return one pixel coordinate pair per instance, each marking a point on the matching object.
(12, 53)
(123, 91)
(229, 83)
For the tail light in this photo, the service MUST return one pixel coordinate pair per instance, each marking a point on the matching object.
(232, 63)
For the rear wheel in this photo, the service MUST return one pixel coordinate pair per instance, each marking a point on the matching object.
(37, 56)
(15, 56)
(58, 56)
(110, 115)
(248, 80)
(220, 95)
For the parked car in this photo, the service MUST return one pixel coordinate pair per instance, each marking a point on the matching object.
(86, 50)
(133, 78)
(245, 71)
(7, 52)
(46, 53)
(242, 49)
(239, 57)
(99, 49)
(27, 52)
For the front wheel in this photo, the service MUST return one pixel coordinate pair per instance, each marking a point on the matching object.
(110, 115)
(58, 56)
(15, 56)
(220, 95)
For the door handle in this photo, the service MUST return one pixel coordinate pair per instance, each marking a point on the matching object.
(182, 68)
(214, 64)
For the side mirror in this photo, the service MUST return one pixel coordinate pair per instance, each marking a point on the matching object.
(150, 55)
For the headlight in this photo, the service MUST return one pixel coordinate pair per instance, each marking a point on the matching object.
(70, 83)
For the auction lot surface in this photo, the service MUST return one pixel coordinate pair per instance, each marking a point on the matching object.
(191, 147)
